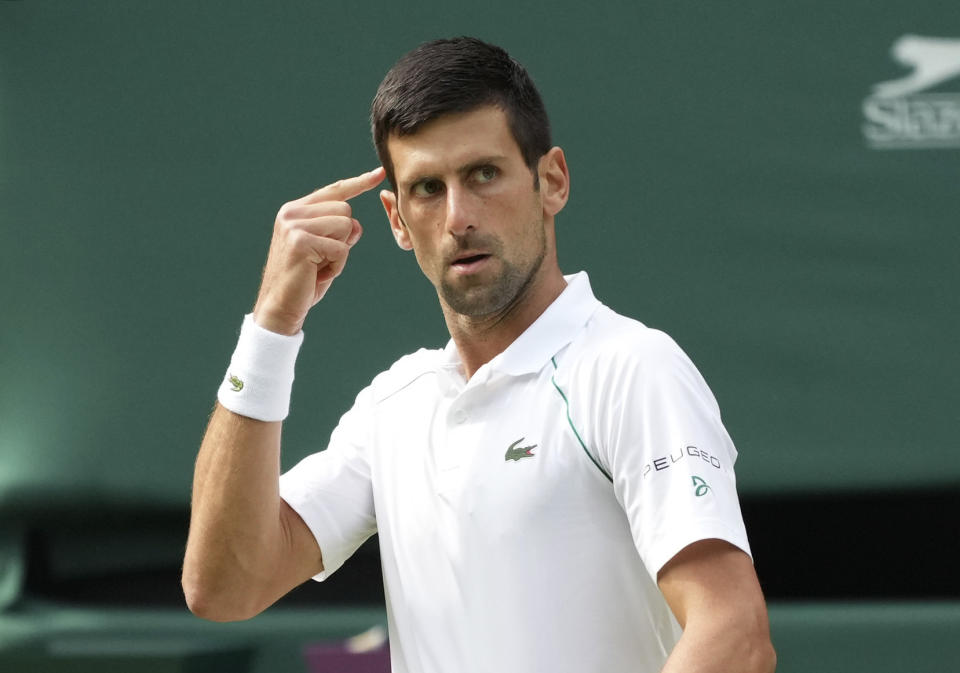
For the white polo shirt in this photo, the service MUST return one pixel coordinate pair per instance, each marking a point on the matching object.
(523, 515)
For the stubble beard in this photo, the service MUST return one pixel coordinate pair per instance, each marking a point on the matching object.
(480, 299)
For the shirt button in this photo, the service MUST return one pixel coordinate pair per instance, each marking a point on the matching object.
(459, 416)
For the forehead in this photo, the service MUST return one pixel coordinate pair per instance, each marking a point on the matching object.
(452, 141)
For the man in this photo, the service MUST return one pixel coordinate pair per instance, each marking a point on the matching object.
(553, 491)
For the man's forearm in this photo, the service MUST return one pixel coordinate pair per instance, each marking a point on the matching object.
(722, 648)
(234, 523)
(246, 547)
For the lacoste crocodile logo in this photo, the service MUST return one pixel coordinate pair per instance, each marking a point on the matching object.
(516, 453)
(236, 383)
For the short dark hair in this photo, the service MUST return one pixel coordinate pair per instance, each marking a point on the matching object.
(458, 75)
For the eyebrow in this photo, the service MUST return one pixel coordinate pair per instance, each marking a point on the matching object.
(465, 169)
(482, 161)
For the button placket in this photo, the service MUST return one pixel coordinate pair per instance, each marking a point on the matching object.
(460, 440)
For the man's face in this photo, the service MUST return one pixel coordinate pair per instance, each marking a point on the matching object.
(466, 205)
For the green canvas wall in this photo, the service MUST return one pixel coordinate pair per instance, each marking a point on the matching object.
(736, 183)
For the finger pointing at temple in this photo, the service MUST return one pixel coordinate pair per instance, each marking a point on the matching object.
(345, 189)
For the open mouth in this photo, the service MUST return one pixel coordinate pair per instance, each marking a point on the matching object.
(469, 263)
(470, 259)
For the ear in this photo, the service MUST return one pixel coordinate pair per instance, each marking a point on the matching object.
(554, 181)
(397, 228)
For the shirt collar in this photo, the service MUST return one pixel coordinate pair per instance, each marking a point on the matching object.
(555, 328)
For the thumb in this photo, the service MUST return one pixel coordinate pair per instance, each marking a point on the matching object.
(355, 233)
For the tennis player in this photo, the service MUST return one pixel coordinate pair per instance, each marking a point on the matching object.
(553, 490)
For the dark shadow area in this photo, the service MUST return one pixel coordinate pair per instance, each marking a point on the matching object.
(136, 562)
(864, 546)
(871, 545)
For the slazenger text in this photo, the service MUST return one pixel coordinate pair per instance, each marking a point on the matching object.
(925, 120)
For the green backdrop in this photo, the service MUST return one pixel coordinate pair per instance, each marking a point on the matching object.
(736, 183)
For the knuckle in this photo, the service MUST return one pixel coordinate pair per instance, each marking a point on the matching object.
(298, 238)
(336, 250)
(285, 221)
(284, 212)
(285, 228)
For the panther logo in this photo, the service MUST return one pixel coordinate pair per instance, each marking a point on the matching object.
(934, 60)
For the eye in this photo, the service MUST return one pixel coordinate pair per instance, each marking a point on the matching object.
(485, 173)
(426, 188)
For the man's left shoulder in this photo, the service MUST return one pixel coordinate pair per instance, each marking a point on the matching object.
(617, 340)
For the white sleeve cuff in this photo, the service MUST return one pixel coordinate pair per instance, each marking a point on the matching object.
(259, 380)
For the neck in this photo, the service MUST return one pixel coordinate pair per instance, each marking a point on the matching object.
(480, 339)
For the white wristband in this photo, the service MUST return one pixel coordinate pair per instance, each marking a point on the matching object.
(260, 377)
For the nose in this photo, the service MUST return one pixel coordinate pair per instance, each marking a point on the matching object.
(461, 210)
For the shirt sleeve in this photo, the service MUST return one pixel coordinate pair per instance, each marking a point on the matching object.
(331, 490)
(661, 439)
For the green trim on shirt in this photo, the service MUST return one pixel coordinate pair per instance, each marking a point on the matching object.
(566, 403)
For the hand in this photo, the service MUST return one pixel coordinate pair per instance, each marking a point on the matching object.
(312, 237)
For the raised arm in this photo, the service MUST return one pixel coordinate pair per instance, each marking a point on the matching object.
(246, 546)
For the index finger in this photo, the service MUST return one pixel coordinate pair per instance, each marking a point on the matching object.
(341, 190)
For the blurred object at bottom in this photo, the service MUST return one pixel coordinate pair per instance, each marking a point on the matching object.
(367, 652)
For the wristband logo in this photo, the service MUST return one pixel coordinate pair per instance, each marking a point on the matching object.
(700, 487)
(236, 383)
